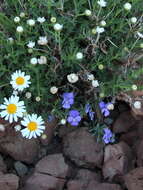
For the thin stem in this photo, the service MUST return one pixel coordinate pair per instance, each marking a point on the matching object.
(89, 4)
(75, 5)
(4, 85)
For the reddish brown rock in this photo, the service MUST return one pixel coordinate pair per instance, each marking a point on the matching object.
(50, 174)
(118, 160)
(130, 137)
(44, 182)
(134, 179)
(64, 130)
(139, 152)
(140, 129)
(76, 185)
(106, 186)
(53, 165)
(86, 175)
(3, 167)
(85, 179)
(8, 182)
(124, 122)
(19, 148)
(82, 148)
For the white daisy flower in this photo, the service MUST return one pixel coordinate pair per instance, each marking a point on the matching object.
(12, 109)
(41, 19)
(42, 40)
(31, 44)
(20, 81)
(34, 126)
(102, 3)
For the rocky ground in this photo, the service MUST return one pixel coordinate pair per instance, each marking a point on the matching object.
(73, 160)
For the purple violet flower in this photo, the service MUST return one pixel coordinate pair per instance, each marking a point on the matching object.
(89, 111)
(104, 110)
(68, 99)
(108, 136)
(74, 117)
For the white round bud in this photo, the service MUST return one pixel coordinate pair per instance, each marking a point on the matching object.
(79, 55)
(53, 19)
(137, 104)
(58, 27)
(22, 14)
(72, 78)
(28, 95)
(31, 22)
(127, 6)
(53, 90)
(133, 19)
(34, 61)
(42, 60)
(110, 106)
(103, 23)
(134, 87)
(44, 136)
(38, 99)
(88, 12)
(17, 19)
(19, 29)
(63, 121)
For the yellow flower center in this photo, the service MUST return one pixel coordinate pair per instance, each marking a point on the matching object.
(32, 126)
(11, 108)
(20, 81)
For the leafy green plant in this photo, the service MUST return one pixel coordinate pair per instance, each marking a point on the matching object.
(90, 48)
